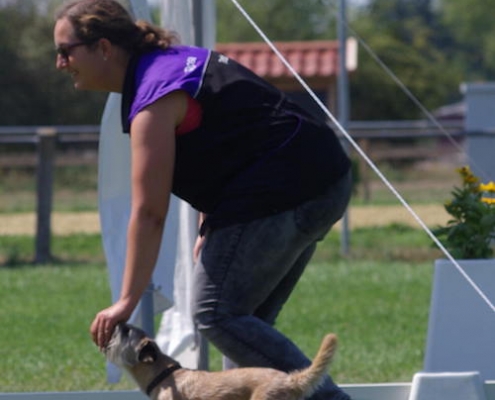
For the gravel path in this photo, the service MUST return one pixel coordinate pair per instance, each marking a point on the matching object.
(88, 222)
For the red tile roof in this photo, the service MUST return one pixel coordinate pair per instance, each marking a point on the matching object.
(307, 58)
(314, 60)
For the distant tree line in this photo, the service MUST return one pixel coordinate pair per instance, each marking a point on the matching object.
(33, 92)
(432, 46)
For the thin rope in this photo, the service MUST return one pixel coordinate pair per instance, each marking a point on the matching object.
(409, 94)
(363, 154)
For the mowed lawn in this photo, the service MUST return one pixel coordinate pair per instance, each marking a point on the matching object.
(376, 300)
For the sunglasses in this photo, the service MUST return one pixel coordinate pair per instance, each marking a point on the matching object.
(64, 51)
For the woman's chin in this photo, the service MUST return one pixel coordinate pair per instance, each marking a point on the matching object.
(80, 86)
(76, 84)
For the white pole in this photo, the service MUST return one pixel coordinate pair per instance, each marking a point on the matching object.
(343, 104)
(204, 19)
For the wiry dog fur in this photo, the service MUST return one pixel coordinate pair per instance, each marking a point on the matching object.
(140, 356)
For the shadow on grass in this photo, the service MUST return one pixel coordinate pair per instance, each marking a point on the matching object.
(78, 249)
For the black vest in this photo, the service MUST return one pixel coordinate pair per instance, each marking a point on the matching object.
(255, 153)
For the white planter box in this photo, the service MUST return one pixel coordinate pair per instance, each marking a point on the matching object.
(461, 328)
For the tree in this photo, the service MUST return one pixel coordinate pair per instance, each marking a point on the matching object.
(14, 81)
(430, 45)
(33, 91)
(471, 24)
(407, 36)
(281, 20)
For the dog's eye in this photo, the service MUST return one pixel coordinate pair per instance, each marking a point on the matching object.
(125, 330)
(122, 329)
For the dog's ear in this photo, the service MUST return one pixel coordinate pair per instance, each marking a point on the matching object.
(148, 353)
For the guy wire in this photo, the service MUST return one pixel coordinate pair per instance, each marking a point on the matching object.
(363, 154)
(407, 91)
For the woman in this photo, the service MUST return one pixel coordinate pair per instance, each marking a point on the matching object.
(268, 178)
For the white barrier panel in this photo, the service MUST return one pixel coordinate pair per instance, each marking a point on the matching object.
(382, 391)
(357, 392)
(461, 325)
(394, 391)
(451, 385)
(385, 391)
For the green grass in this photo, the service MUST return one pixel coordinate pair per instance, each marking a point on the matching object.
(75, 187)
(72, 249)
(379, 312)
(376, 300)
(45, 316)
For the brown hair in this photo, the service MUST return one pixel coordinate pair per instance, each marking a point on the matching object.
(97, 19)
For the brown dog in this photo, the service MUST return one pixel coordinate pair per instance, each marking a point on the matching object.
(162, 378)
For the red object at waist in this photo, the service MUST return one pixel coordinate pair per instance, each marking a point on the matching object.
(192, 119)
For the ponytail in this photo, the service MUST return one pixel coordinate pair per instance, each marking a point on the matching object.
(96, 19)
(151, 37)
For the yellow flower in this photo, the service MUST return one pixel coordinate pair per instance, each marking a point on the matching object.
(488, 187)
(470, 233)
(467, 176)
(464, 170)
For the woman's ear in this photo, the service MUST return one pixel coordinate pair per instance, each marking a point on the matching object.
(106, 48)
(148, 353)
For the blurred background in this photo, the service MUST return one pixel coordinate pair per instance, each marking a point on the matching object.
(431, 46)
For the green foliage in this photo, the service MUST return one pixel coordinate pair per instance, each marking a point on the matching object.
(279, 19)
(33, 91)
(469, 234)
(408, 37)
(471, 24)
(430, 46)
(404, 36)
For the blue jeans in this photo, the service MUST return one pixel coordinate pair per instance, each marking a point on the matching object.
(246, 274)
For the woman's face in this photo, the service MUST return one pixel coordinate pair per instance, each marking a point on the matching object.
(85, 63)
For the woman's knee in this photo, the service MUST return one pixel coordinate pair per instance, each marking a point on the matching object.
(208, 319)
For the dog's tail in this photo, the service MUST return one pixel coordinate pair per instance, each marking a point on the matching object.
(307, 380)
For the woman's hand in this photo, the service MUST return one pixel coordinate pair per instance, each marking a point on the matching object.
(152, 160)
(200, 241)
(106, 320)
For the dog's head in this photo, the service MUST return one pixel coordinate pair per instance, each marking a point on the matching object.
(129, 346)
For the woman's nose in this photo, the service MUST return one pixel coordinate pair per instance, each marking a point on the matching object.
(61, 62)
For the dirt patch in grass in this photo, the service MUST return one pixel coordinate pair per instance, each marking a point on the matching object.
(358, 216)
(62, 223)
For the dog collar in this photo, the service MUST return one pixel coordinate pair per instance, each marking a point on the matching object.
(161, 376)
